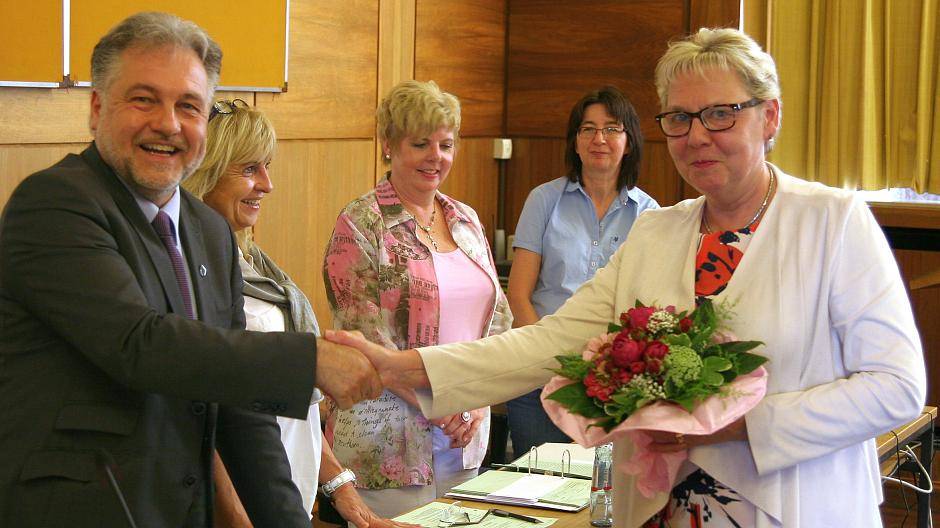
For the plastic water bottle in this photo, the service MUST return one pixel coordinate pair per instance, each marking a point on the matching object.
(601, 506)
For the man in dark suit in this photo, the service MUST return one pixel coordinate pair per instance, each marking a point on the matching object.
(116, 341)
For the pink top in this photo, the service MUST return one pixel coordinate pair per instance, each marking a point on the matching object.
(466, 296)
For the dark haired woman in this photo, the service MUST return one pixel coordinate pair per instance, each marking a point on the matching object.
(570, 227)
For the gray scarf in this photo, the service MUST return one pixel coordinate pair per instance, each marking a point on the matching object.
(275, 287)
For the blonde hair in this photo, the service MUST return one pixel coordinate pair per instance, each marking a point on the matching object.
(417, 109)
(724, 49)
(243, 136)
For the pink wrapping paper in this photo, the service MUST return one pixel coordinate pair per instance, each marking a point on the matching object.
(656, 472)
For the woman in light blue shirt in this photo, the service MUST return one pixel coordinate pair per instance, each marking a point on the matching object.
(570, 227)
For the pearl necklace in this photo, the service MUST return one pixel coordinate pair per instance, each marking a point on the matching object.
(427, 228)
(760, 210)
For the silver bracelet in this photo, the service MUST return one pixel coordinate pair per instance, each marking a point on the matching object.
(330, 487)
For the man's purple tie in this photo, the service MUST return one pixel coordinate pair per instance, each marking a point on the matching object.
(163, 225)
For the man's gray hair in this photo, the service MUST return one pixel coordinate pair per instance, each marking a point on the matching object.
(153, 30)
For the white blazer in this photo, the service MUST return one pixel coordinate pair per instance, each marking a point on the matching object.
(818, 284)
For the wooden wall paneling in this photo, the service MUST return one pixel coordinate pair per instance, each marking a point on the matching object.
(534, 161)
(714, 13)
(658, 175)
(461, 46)
(19, 161)
(560, 50)
(332, 72)
(913, 215)
(313, 181)
(473, 180)
(396, 57)
(396, 60)
(44, 115)
(926, 304)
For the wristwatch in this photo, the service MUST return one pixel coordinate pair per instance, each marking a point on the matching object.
(334, 483)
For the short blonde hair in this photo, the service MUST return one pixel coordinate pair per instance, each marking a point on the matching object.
(417, 109)
(724, 49)
(243, 136)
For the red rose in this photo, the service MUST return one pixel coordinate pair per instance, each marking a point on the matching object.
(638, 367)
(640, 317)
(625, 319)
(685, 324)
(671, 309)
(656, 350)
(654, 366)
(625, 350)
(624, 376)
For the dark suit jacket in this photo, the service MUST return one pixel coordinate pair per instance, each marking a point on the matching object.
(94, 356)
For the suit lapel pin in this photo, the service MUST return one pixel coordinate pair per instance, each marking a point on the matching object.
(202, 270)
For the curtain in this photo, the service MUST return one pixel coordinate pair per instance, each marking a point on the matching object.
(861, 90)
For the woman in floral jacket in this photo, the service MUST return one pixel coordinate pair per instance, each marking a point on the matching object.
(409, 267)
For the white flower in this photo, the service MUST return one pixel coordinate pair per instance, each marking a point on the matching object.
(661, 320)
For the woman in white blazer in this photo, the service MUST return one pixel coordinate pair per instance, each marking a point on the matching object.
(811, 275)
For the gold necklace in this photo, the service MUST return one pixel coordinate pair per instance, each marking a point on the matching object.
(760, 210)
(427, 228)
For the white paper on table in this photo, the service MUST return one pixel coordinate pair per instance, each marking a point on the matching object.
(529, 488)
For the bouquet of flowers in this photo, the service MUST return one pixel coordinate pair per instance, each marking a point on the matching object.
(657, 370)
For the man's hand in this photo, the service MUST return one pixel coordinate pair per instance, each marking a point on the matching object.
(345, 374)
(400, 369)
(460, 431)
(350, 505)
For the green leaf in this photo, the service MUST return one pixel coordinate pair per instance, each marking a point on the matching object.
(716, 364)
(712, 378)
(687, 402)
(711, 350)
(747, 362)
(613, 328)
(572, 367)
(607, 424)
(574, 398)
(677, 340)
(737, 347)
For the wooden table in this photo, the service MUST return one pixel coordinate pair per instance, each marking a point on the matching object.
(919, 430)
(581, 519)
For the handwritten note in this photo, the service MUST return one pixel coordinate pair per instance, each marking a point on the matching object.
(365, 426)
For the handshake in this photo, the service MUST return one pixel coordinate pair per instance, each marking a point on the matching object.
(351, 369)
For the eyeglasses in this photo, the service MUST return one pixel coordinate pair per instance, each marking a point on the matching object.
(454, 515)
(588, 132)
(715, 118)
(226, 107)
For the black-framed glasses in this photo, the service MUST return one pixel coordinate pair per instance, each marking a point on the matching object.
(715, 118)
(588, 132)
(226, 107)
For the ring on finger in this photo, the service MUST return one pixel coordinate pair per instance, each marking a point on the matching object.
(465, 416)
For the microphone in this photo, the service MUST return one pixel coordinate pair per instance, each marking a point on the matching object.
(105, 460)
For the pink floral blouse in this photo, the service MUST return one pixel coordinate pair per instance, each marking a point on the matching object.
(380, 280)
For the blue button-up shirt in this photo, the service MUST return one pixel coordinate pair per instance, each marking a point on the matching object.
(559, 223)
